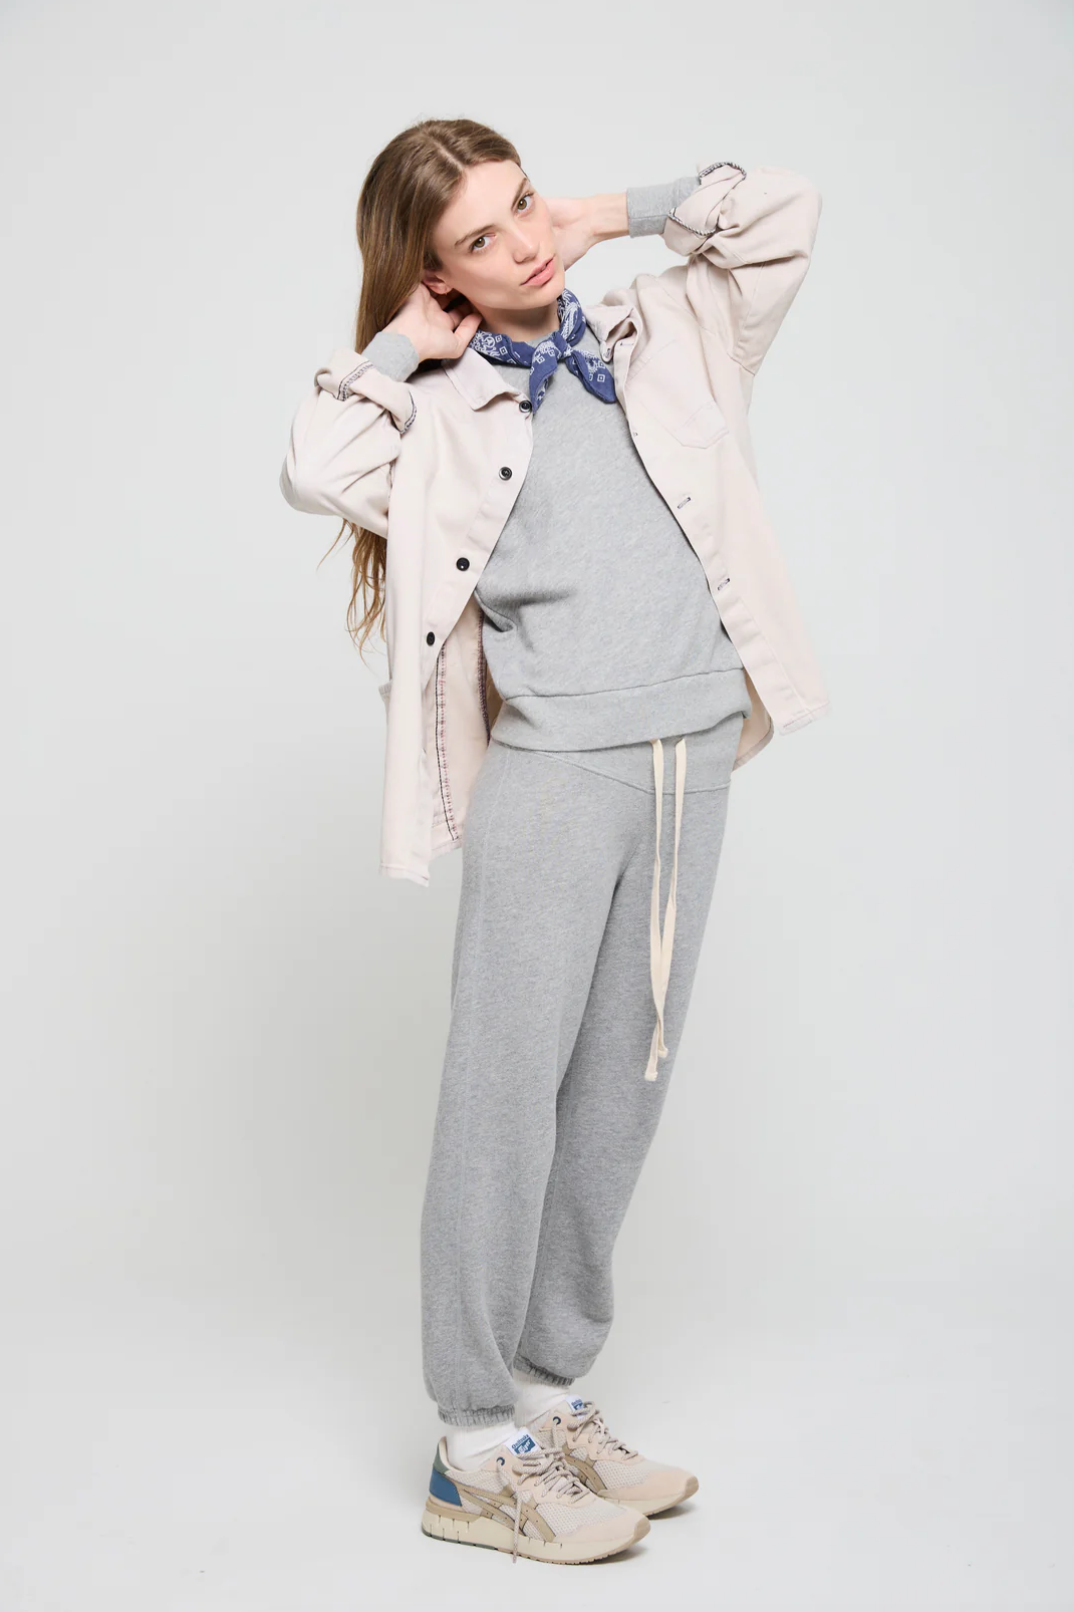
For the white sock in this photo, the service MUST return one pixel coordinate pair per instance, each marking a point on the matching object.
(535, 1399)
(468, 1447)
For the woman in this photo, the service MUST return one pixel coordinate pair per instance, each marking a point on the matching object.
(555, 512)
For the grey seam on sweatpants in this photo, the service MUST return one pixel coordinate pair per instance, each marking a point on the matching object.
(544, 1116)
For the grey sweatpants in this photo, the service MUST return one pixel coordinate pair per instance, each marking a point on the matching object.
(545, 1115)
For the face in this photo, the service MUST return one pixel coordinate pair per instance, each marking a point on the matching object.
(490, 240)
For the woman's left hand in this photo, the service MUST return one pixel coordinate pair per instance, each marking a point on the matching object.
(570, 217)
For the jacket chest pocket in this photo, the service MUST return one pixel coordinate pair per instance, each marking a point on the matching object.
(673, 391)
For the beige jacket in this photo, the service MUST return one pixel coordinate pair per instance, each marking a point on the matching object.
(434, 464)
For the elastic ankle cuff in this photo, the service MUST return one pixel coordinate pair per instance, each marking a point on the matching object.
(539, 1374)
(476, 1418)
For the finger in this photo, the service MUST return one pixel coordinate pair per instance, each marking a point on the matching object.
(465, 331)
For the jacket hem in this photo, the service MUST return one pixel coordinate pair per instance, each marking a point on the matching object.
(811, 713)
(396, 870)
(755, 749)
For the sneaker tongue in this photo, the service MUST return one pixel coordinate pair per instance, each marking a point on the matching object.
(522, 1443)
(566, 1405)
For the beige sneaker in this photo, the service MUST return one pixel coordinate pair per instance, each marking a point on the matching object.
(525, 1499)
(605, 1464)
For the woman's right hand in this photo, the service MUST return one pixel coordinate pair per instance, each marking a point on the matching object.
(435, 330)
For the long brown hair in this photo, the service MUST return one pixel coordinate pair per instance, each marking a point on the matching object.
(407, 188)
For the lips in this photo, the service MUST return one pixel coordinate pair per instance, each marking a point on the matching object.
(539, 271)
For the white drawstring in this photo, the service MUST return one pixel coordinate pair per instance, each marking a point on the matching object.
(660, 944)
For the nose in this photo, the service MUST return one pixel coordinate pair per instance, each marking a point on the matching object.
(522, 240)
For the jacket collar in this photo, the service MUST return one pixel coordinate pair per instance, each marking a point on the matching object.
(477, 380)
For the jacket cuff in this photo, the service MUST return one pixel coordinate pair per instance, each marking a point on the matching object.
(393, 352)
(695, 218)
(350, 374)
(649, 205)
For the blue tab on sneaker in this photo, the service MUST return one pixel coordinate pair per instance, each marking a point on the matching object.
(523, 1443)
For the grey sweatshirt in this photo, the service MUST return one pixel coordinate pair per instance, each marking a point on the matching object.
(599, 626)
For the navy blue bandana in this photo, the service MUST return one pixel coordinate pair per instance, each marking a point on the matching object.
(542, 357)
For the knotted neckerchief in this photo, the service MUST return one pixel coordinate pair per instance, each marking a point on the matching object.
(541, 357)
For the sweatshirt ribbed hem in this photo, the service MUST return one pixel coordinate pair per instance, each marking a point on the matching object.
(621, 715)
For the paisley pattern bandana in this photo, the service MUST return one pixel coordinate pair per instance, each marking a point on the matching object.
(542, 357)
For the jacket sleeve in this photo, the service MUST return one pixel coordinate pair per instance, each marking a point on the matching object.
(753, 233)
(347, 432)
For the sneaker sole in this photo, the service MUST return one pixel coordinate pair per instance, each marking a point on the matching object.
(481, 1531)
(648, 1508)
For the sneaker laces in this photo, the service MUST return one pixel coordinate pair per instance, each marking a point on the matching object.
(590, 1425)
(545, 1472)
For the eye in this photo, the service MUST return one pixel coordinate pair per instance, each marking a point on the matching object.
(527, 196)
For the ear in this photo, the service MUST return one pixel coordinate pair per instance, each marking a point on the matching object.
(436, 284)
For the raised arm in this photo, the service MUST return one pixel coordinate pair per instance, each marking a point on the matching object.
(752, 234)
(747, 237)
(347, 432)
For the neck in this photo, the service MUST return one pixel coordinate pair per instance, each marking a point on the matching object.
(520, 324)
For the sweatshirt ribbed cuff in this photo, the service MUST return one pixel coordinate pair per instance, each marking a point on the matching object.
(393, 353)
(649, 205)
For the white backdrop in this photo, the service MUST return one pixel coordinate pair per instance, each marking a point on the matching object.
(217, 1099)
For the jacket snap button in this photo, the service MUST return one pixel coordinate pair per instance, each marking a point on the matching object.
(505, 472)
(463, 563)
(430, 638)
(525, 405)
